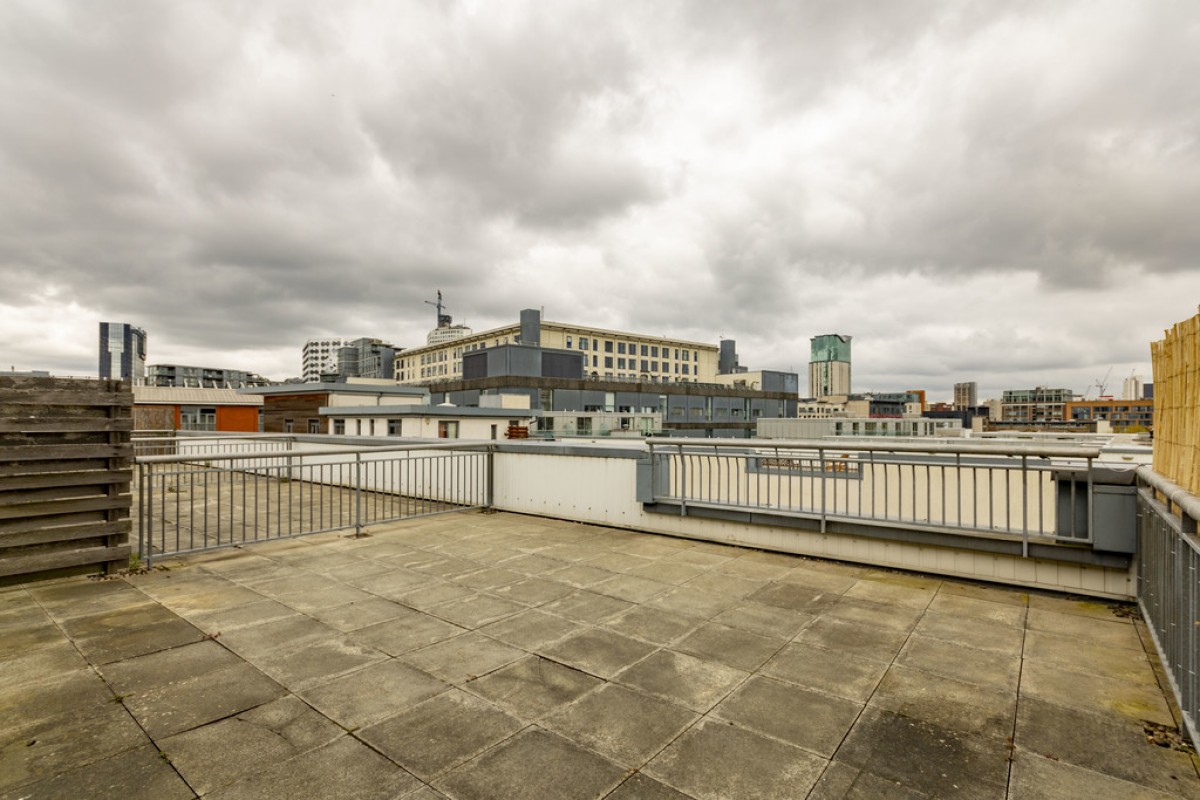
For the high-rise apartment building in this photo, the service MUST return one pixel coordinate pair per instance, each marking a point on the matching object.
(122, 352)
(1132, 388)
(1035, 405)
(201, 377)
(966, 395)
(335, 359)
(829, 365)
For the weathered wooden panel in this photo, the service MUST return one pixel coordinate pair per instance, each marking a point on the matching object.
(65, 471)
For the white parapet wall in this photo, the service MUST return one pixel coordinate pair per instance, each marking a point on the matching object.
(602, 490)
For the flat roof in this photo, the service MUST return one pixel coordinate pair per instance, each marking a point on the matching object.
(164, 395)
(427, 411)
(340, 388)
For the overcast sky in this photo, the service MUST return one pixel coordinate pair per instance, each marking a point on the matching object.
(1000, 192)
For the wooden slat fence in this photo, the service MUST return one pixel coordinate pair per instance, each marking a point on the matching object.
(1177, 404)
(65, 472)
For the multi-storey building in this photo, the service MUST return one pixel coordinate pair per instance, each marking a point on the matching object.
(1035, 405)
(201, 377)
(829, 366)
(966, 394)
(122, 352)
(608, 354)
(1121, 414)
(338, 359)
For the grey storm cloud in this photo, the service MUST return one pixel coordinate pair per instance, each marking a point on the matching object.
(956, 184)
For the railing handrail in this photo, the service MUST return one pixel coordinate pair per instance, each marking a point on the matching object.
(835, 444)
(457, 444)
(1187, 502)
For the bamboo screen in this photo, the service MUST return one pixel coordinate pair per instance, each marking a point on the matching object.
(1177, 404)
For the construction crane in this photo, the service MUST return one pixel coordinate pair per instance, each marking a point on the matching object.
(442, 318)
(1102, 384)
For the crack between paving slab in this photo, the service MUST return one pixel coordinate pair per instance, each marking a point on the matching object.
(1012, 738)
(863, 710)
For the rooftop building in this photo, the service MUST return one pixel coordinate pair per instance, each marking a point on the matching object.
(201, 377)
(829, 366)
(122, 352)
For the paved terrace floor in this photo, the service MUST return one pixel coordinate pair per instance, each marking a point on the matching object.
(501, 656)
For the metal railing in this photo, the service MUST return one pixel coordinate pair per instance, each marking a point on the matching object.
(990, 489)
(201, 445)
(1168, 572)
(221, 497)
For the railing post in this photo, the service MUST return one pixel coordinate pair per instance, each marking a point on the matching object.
(1091, 501)
(146, 500)
(491, 477)
(821, 470)
(1024, 508)
(358, 526)
(653, 474)
(682, 483)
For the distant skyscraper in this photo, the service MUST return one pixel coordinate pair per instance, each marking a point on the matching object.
(122, 352)
(1132, 388)
(829, 365)
(966, 395)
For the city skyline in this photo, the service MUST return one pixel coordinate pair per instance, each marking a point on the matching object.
(974, 193)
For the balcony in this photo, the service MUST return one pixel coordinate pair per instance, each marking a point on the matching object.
(567, 651)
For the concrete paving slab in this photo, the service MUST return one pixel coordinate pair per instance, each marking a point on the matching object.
(1104, 744)
(19, 638)
(355, 569)
(794, 597)
(315, 661)
(534, 564)
(229, 596)
(533, 687)
(682, 679)
(135, 641)
(1107, 632)
(221, 752)
(1128, 699)
(274, 632)
(972, 632)
(36, 747)
(622, 563)
(641, 787)
(533, 765)
(588, 607)
(992, 593)
(307, 600)
(621, 724)
(228, 619)
(1036, 777)
(581, 576)
(392, 583)
(732, 647)
(475, 610)
(69, 599)
(840, 674)
(533, 591)
(879, 615)
(947, 703)
(926, 759)
(345, 769)
(777, 623)
(21, 667)
(441, 733)
(155, 670)
(531, 629)
(424, 598)
(598, 651)
(693, 602)
(699, 764)
(891, 590)
(653, 625)
(1078, 606)
(812, 720)
(975, 608)
(632, 588)
(841, 781)
(463, 658)
(672, 572)
(116, 621)
(754, 568)
(187, 704)
(1091, 659)
(963, 663)
(137, 774)
(721, 583)
(489, 578)
(818, 579)
(360, 614)
(372, 693)
(410, 632)
(879, 644)
(40, 702)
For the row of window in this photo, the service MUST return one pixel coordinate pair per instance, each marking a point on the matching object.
(631, 348)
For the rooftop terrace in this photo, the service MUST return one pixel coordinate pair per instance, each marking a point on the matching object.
(483, 655)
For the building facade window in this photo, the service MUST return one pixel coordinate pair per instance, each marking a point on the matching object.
(394, 427)
(448, 429)
(339, 427)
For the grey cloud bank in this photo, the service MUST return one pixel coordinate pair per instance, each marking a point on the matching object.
(975, 191)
